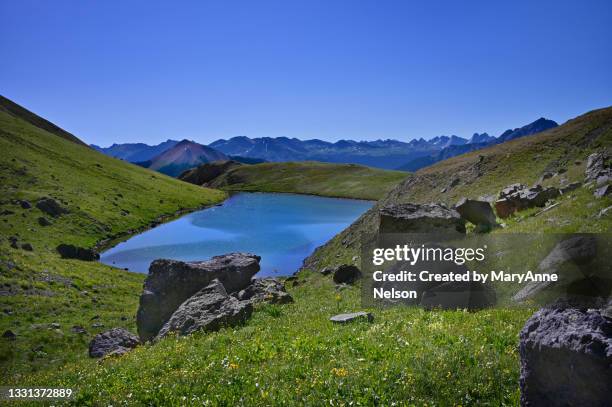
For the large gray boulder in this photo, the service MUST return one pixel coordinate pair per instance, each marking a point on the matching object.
(420, 218)
(268, 290)
(570, 259)
(116, 341)
(171, 282)
(471, 295)
(477, 212)
(209, 309)
(566, 358)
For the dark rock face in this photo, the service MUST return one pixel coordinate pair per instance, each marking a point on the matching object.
(115, 341)
(207, 172)
(170, 283)
(476, 212)
(353, 316)
(51, 207)
(346, 274)
(517, 197)
(69, 251)
(566, 358)
(570, 260)
(415, 218)
(265, 290)
(459, 295)
(209, 309)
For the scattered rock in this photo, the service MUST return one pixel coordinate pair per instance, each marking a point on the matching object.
(603, 191)
(114, 340)
(27, 246)
(51, 207)
(566, 356)
(477, 212)
(604, 212)
(69, 251)
(326, 270)
(171, 282)
(77, 329)
(54, 325)
(347, 274)
(353, 316)
(97, 325)
(570, 187)
(416, 218)
(459, 295)
(268, 290)
(25, 204)
(10, 335)
(517, 197)
(209, 309)
(545, 176)
(42, 221)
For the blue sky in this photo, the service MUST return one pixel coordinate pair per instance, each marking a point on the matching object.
(115, 71)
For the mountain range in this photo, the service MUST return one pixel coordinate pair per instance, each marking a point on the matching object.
(182, 156)
(172, 157)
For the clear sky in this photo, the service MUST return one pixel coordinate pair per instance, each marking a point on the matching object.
(125, 71)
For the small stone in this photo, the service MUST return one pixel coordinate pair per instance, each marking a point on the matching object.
(77, 329)
(27, 247)
(10, 335)
(25, 204)
(353, 316)
(54, 325)
(42, 221)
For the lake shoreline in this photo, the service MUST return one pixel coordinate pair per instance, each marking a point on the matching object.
(259, 218)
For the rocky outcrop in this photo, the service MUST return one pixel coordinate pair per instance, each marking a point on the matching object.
(571, 260)
(51, 207)
(171, 282)
(209, 309)
(517, 197)
(598, 166)
(207, 172)
(265, 290)
(346, 274)
(477, 212)
(471, 295)
(566, 358)
(69, 251)
(116, 341)
(417, 218)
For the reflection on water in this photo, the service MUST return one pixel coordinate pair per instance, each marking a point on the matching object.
(281, 228)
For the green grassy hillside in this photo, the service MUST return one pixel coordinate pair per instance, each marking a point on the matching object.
(485, 172)
(285, 354)
(107, 198)
(314, 178)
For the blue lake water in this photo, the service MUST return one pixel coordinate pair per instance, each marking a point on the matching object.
(283, 229)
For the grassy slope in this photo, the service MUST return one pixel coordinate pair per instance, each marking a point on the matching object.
(292, 354)
(522, 160)
(335, 180)
(107, 198)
